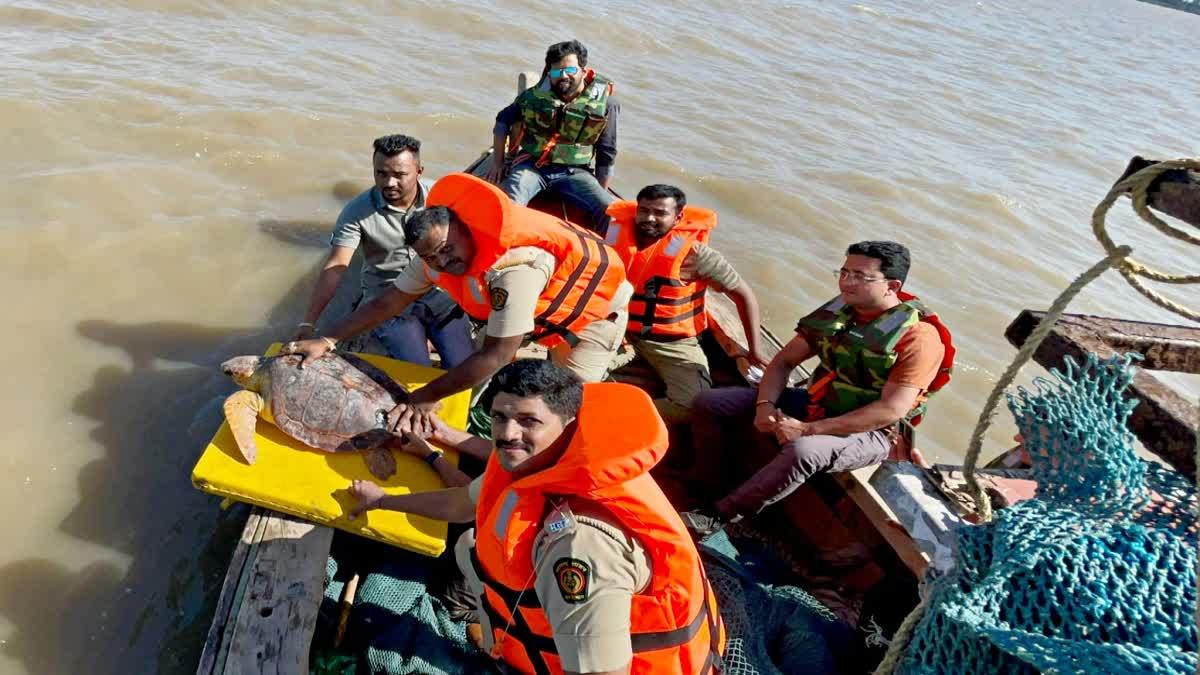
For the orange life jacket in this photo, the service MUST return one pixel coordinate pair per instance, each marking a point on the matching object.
(583, 284)
(663, 307)
(675, 625)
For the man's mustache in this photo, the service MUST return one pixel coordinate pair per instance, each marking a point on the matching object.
(511, 445)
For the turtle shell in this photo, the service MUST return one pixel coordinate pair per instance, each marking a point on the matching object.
(331, 401)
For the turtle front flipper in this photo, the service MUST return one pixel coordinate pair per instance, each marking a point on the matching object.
(241, 410)
(380, 462)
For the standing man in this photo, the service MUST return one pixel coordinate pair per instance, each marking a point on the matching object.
(882, 354)
(565, 121)
(375, 221)
(664, 243)
(529, 275)
(580, 563)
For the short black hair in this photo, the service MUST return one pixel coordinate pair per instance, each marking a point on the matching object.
(560, 50)
(390, 146)
(422, 221)
(893, 258)
(660, 191)
(559, 388)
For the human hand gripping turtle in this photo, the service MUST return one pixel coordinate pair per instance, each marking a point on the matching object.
(310, 349)
(367, 495)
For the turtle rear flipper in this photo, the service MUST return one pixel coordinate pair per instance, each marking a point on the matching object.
(375, 444)
(241, 411)
(380, 462)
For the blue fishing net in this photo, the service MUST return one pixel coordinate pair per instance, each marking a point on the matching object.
(1095, 575)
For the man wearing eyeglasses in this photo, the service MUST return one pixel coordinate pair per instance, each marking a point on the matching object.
(561, 124)
(881, 353)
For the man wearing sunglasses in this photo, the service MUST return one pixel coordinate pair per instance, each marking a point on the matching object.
(882, 354)
(560, 125)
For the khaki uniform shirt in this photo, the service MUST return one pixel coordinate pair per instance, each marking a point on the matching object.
(522, 273)
(705, 264)
(587, 570)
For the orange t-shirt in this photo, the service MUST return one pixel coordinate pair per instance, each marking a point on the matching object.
(918, 356)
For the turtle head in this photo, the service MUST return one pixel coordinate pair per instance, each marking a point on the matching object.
(243, 370)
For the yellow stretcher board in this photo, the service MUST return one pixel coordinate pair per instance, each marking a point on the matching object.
(291, 477)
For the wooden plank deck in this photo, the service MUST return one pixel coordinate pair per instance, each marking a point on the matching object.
(857, 484)
(267, 611)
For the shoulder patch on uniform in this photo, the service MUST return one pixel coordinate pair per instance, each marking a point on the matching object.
(499, 298)
(574, 579)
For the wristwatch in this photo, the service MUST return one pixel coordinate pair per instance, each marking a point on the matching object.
(433, 457)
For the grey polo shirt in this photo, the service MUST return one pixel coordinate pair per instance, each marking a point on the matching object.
(378, 227)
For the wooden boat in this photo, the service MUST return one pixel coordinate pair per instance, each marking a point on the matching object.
(842, 535)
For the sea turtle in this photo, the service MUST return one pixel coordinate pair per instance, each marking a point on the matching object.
(337, 403)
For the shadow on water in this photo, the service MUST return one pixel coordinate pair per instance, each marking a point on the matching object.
(301, 232)
(152, 420)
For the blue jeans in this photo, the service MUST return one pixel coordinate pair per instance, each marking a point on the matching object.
(434, 317)
(575, 184)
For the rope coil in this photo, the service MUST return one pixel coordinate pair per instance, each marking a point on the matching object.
(1137, 186)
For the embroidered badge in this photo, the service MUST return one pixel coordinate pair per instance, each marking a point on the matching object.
(574, 579)
(499, 298)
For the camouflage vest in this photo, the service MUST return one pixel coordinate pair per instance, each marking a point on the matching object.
(569, 129)
(859, 357)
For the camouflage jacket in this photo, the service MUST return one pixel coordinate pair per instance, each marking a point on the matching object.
(568, 130)
(859, 357)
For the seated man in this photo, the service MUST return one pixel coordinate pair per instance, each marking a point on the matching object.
(882, 353)
(579, 562)
(526, 273)
(375, 221)
(565, 120)
(669, 275)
